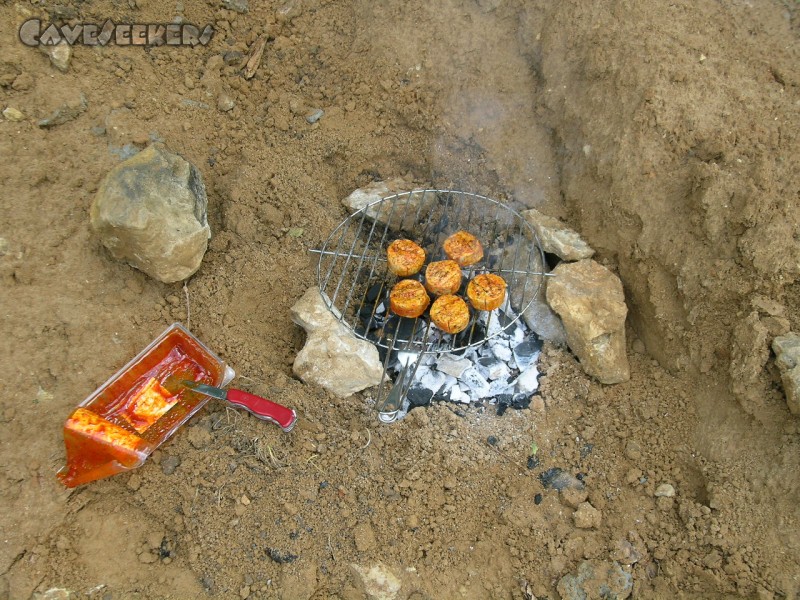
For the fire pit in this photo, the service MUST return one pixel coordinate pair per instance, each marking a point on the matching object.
(355, 281)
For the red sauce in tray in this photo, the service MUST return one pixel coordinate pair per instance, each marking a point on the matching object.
(129, 417)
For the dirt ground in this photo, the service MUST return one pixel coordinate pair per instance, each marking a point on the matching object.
(667, 133)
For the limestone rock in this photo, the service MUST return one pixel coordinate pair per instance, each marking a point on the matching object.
(556, 238)
(787, 357)
(377, 582)
(150, 211)
(538, 315)
(396, 214)
(59, 55)
(13, 114)
(333, 357)
(590, 301)
(596, 579)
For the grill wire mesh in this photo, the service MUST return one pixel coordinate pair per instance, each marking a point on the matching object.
(355, 280)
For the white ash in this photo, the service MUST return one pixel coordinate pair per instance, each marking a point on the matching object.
(502, 371)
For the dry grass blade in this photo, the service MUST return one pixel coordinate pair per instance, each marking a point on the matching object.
(254, 57)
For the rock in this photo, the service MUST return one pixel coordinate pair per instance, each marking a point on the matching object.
(364, 537)
(71, 104)
(787, 357)
(586, 516)
(405, 208)
(59, 55)
(150, 211)
(538, 315)
(13, 114)
(55, 594)
(377, 582)
(315, 115)
(589, 299)
(170, 463)
(332, 356)
(558, 479)
(556, 238)
(240, 6)
(665, 490)
(597, 579)
(225, 103)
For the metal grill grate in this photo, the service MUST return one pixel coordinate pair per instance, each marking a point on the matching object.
(355, 281)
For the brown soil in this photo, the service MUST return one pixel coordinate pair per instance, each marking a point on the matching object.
(667, 133)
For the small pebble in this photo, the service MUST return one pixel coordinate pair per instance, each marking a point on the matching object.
(665, 490)
(315, 115)
(240, 6)
(491, 440)
(169, 464)
(537, 499)
(12, 114)
(225, 103)
(245, 500)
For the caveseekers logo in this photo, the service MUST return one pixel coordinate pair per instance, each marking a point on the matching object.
(35, 33)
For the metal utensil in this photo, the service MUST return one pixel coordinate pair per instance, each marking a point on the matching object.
(261, 408)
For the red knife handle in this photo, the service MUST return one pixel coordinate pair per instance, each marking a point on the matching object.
(265, 409)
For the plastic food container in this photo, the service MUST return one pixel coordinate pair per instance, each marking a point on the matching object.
(119, 425)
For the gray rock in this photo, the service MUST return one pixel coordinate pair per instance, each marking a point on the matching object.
(69, 107)
(589, 299)
(170, 463)
(150, 211)
(403, 210)
(332, 357)
(556, 238)
(315, 115)
(377, 582)
(597, 579)
(240, 6)
(538, 316)
(787, 357)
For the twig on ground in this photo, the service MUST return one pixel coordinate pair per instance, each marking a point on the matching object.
(188, 307)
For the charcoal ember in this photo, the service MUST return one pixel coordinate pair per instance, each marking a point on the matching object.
(502, 351)
(528, 381)
(478, 332)
(526, 353)
(476, 384)
(558, 479)
(453, 366)
(373, 293)
(403, 328)
(458, 395)
(501, 386)
(498, 370)
(515, 401)
(432, 379)
(419, 396)
(369, 320)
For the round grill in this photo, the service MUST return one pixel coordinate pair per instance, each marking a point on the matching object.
(355, 281)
